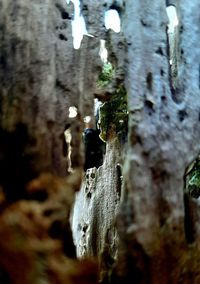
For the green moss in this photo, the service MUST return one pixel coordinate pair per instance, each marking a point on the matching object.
(106, 75)
(113, 114)
(193, 179)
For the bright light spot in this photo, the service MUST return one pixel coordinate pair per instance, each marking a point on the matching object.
(68, 139)
(112, 20)
(103, 53)
(173, 18)
(97, 105)
(87, 119)
(78, 25)
(72, 112)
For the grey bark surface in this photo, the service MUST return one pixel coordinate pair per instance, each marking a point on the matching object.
(153, 235)
(98, 201)
(94, 230)
(41, 76)
(159, 239)
(158, 222)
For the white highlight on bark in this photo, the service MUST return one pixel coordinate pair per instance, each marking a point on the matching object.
(87, 119)
(68, 139)
(97, 105)
(103, 53)
(78, 25)
(173, 18)
(112, 20)
(72, 112)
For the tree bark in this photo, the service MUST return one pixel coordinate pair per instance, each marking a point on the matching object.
(41, 76)
(143, 228)
(160, 239)
(158, 221)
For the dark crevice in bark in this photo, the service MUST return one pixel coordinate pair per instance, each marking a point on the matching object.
(64, 14)
(182, 115)
(15, 163)
(116, 7)
(149, 81)
(188, 221)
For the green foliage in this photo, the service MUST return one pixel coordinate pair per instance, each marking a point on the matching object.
(193, 179)
(106, 75)
(114, 114)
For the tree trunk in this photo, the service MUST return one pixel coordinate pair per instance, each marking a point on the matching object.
(159, 242)
(133, 214)
(41, 77)
(158, 222)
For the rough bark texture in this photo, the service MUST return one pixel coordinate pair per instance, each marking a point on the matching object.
(41, 76)
(145, 230)
(94, 229)
(160, 240)
(158, 222)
